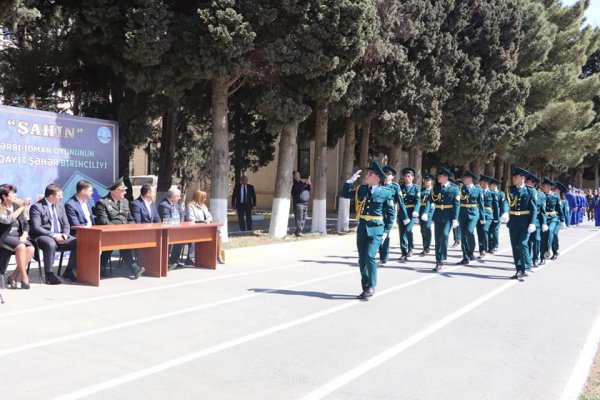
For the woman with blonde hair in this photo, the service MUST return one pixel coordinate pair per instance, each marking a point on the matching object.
(197, 211)
(16, 239)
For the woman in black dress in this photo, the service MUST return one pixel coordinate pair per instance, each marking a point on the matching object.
(16, 239)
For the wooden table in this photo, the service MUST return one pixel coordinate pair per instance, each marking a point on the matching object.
(152, 240)
(203, 235)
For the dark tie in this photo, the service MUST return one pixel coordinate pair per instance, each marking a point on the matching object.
(245, 195)
(370, 190)
(56, 228)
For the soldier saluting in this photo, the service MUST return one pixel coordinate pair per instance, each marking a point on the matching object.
(374, 205)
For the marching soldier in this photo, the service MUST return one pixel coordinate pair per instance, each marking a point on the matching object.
(446, 198)
(375, 214)
(412, 201)
(384, 249)
(502, 207)
(491, 214)
(561, 190)
(456, 234)
(535, 239)
(471, 212)
(553, 217)
(521, 223)
(426, 225)
(595, 204)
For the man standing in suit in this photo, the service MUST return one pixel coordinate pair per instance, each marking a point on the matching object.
(244, 200)
(114, 210)
(143, 209)
(79, 212)
(49, 227)
(169, 209)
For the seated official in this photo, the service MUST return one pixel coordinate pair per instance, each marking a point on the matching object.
(79, 211)
(169, 209)
(49, 228)
(15, 234)
(114, 210)
(143, 209)
(197, 211)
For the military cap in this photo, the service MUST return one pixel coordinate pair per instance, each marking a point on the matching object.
(495, 181)
(387, 169)
(408, 170)
(377, 169)
(445, 171)
(459, 182)
(561, 187)
(547, 181)
(485, 178)
(533, 178)
(118, 185)
(521, 171)
(428, 176)
(469, 174)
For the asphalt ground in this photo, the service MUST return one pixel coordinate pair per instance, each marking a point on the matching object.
(282, 322)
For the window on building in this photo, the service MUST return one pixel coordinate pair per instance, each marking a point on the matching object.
(304, 158)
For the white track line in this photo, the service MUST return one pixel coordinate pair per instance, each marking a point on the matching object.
(361, 369)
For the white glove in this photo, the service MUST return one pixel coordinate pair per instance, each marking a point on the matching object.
(504, 218)
(433, 206)
(406, 221)
(544, 227)
(415, 214)
(424, 218)
(354, 177)
(384, 236)
(454, 223)
(564, 225)
(495, 221)
(531, 228)
(482, 222)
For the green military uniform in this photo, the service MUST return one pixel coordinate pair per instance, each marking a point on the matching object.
(502, 209)
(535, 239)
(412, 202)
(553, 219)
(490, 213)
(375, 215)
(446, 199)
(384, 249)
(471, 212)
(522, 202)
(456, 233)
(564, 217)
(424, 209)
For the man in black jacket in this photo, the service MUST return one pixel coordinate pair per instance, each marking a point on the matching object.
(300, 197)
(243, 200)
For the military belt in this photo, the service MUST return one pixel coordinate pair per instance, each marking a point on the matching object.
(469, 205)
(519, 213)
(410, 205)
(489, 209)
(443, 206)
(371, 217)
(551, 213)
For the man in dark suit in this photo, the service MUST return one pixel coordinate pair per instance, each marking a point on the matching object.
(244, 200)
(49, 227)
(143, 209)
(169, 209)
(113, 210)
(79, 212)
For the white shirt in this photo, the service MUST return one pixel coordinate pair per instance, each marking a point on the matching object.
(147, 204)
(86, 212)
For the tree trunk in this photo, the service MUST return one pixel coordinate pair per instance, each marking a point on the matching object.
(166, 162)
(319, 189)
(219, 187)
(365, 137)
(476, 167)
(499, 168)
(396, 158)
(597, 175)
(288, 145)
(343, 221)
(507, 174)
(490, 169)
(415, 160)
(579, 176)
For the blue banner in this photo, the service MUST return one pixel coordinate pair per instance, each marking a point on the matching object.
(38, 148)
